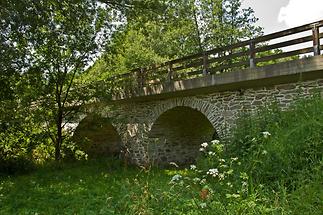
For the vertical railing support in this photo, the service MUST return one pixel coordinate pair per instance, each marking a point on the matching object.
(205, 64)
(170, 73)
(316, 40)
(252, 54)
(141, 78)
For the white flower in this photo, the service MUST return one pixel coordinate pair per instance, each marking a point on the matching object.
(221, 160)
(266, 134)
(213, 172)
(192, 167)
(204, 145)
(234, 159)
(215, 142)
(203, 205)
(196, 180)
(202, 149)
(175, 178)
(203, 181)
(211, 153)
(221, 176)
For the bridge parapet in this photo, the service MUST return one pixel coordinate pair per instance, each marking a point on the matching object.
(247, 55)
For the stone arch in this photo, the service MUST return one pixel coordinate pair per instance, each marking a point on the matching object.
(210, 111)
(97, 136)
(176, 135)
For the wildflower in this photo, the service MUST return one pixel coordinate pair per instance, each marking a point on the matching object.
(234, 159)
(244, 183)
(203, 181)
(213, 172)
(221, 176)
(266, 134)
(215, 142)
(203, 205)
(192, 167)
(204, 145)
(221, 160)
(212, 153)
(202, 149)
(196, 180)
(175, 178)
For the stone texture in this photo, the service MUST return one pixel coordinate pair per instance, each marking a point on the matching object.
(153, 133)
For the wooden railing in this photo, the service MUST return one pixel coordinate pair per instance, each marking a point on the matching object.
(246, 54)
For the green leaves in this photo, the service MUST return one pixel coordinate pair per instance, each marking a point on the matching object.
(172, 29)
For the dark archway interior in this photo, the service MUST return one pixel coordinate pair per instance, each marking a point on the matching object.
(179, 132)
(97, 137)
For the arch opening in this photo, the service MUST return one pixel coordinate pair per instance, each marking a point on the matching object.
(98, 137)
(178, 134)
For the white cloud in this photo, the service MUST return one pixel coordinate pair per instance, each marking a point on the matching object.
(298, 12)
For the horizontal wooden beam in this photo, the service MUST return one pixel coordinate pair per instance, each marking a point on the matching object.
(218, 59)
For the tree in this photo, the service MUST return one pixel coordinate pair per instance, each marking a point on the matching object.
(48, 44)
(224, 22)
(173, 30)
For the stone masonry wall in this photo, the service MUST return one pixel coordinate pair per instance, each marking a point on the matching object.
(134, 120)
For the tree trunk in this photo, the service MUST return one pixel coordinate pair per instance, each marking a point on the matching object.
(59, 138)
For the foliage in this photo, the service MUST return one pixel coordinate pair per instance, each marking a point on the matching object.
(293, 148)
(173, 29)
(52, 42)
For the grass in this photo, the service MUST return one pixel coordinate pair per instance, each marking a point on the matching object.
(94, 187)
(105, 187)
(101, 186)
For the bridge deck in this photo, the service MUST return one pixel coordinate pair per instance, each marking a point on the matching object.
(287, 72)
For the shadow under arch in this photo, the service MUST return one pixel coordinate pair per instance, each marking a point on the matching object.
(178, 134)
(97, 137)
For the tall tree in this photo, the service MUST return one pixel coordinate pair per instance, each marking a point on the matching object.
(175, 29)
(48, 44)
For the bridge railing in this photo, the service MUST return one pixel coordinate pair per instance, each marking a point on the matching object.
(260, 51)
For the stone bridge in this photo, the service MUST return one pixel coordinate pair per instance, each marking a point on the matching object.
(166, 122)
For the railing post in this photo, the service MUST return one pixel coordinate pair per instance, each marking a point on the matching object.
(154, 69)
(252, 54)
(205, 64)
(316, 40)
(143, 77)
(140, 78)
(170, 73)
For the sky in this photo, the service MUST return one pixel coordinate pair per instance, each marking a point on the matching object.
(276, 15)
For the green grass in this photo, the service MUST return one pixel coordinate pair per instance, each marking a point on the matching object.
(106, 187)
(94, 187)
